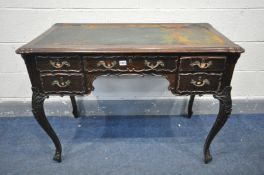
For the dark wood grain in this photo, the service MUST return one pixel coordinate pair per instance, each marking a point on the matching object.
(198, 83)
(136, 63)
(202, 64)
(63, 83)
(59, 63)
(194, 58)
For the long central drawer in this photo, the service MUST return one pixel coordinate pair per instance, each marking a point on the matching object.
(130, 63)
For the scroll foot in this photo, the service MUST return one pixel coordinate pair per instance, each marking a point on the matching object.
(57, 156)
(207, 156)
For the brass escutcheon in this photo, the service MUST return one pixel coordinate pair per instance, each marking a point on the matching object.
(200, 82)
(60, 83)
(202, 64)
(153, 66)
(59, 64)
(106, 65)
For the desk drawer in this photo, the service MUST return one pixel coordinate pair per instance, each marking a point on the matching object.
(58, 63)
(202, 63)
(199, 82)
(131, 64)
(60, 82)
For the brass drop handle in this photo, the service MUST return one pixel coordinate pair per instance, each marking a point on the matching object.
(199, 82)
(59, 64)
(106, 65)
(201, 65)
(153, 66)
(60, 83)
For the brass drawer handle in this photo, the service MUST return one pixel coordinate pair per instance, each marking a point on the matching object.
(153, 66)
(59, 64)
(200, 83)
(61, 83)
(106, 65)
(201, 65)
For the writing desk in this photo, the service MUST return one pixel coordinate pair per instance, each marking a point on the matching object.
(194, 58)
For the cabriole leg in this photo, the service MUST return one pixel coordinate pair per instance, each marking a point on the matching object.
(38, 99)
(74, 106)
(225, 109)
(190, 105)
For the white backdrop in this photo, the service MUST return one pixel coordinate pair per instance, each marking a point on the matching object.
(240, 20)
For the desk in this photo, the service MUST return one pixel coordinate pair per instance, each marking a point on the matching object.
(194, 58)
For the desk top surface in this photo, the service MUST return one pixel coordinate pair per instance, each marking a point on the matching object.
(130, 38)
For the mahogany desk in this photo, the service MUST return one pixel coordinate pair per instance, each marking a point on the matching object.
(194, 58)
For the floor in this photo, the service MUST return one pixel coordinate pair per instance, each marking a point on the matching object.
(133, 145)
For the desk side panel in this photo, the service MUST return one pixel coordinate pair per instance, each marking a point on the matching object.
(32, 71)
(232, 59)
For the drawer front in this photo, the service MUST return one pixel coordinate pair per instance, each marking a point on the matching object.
(199, 82)
(202, 63)
(66, 83)
(130, 64)
(58, 63)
